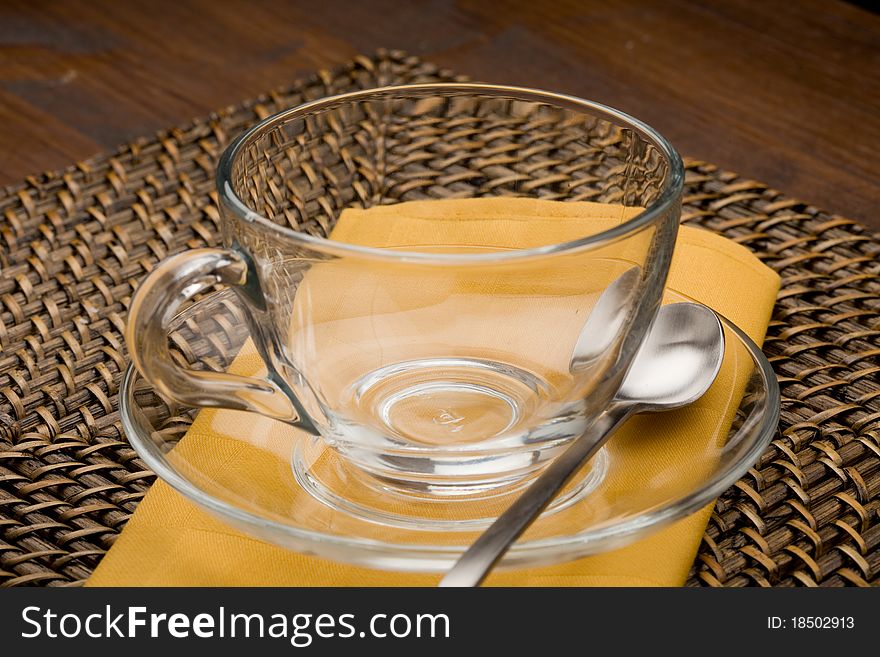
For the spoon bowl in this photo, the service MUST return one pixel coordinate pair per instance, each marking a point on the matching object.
(677, 362)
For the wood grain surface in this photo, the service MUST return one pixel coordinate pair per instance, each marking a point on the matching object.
(784, 92)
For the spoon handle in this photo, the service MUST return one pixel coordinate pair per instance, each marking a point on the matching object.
(474, 565)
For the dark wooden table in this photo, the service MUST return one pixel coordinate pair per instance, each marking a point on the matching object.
(786, 92)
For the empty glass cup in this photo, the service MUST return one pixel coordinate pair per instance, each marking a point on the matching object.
(446, 282)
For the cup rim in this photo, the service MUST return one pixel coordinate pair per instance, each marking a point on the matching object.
(670, 193)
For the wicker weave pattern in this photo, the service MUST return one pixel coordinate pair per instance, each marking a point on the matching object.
(74, 244)
(809, 512)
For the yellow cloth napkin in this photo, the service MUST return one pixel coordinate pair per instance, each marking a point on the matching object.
(171, 542)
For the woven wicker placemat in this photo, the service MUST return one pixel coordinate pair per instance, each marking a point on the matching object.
(75, 243)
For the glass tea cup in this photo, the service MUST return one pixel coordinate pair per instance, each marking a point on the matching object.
(445, 282)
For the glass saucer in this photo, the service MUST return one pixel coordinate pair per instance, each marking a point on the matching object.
(283, 486)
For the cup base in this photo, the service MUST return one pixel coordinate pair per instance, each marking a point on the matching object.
(442, 402)
(343, 486)
(453, 426)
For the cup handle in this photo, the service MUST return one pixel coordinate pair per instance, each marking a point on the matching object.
(155, 303)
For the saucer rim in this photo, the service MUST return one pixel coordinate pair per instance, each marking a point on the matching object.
(436, 558)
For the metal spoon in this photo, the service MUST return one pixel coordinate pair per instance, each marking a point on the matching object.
(675, 365)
